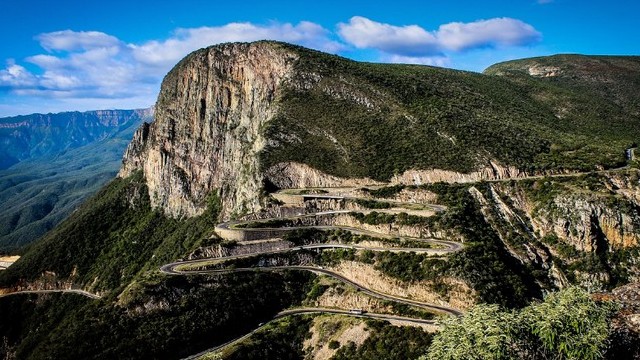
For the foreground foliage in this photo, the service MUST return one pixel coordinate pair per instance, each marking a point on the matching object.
(566, 325)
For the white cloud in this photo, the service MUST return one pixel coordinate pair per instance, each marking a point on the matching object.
(168, 52)
(15, 75)
(415, 41)
(68, 40)
(95, 65)
(91, 67)
(441, 61)
(459, 36)
(410, 40)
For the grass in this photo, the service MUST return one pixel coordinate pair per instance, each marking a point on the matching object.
(377, 120)
(113, 237)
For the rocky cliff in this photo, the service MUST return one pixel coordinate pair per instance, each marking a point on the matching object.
(206, 135)
(584, 227)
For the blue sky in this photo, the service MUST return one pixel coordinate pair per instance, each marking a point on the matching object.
(79, 55)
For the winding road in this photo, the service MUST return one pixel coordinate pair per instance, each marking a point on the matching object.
(66, 291)
(181, 268)
(303, 311)
(232, 230)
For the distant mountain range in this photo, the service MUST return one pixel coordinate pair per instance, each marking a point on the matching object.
(50, 163)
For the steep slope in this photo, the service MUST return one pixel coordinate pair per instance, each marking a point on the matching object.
(244, 117)
(62, 170)
(209, 117)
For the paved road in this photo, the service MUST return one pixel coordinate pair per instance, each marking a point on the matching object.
(303, 311)
(70, 291)
(574, 174)
(170, 269)
(292, 192)
(446, 247)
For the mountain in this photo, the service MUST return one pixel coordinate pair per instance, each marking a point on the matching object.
(404, 123)
(61, 160)
(613, 79)
(522, 181)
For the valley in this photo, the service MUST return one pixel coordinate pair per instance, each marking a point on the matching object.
(51, 163)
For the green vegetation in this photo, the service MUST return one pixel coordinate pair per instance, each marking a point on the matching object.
(373, 204)
(282, 339)
(385, 192)
(377, 120)
(377, 218)
(567, 325)
(58, 170)
(374, 218)
(305, 236)
(109, 240)
(163, 317)
(484, 263)
(568, 200)
(387, 342)
(360, 120)
(409, 266)
(272, 223)
(27, 320)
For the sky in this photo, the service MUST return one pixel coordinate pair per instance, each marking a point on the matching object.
(73, 55)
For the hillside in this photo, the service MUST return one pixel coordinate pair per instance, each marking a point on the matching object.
(612, 78)
(38, 136)
(374, 190)
(64, 158)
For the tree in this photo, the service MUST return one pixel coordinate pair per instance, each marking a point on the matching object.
(482, 333)
(568, 324)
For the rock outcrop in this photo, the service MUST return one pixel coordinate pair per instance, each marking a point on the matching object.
(493, 171)
(290, 175)
(206, 135)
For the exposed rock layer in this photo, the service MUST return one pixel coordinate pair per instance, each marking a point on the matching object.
(207, 130)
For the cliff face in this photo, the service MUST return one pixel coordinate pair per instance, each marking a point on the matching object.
(585, 228)
(209, 130)
(206, 133)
